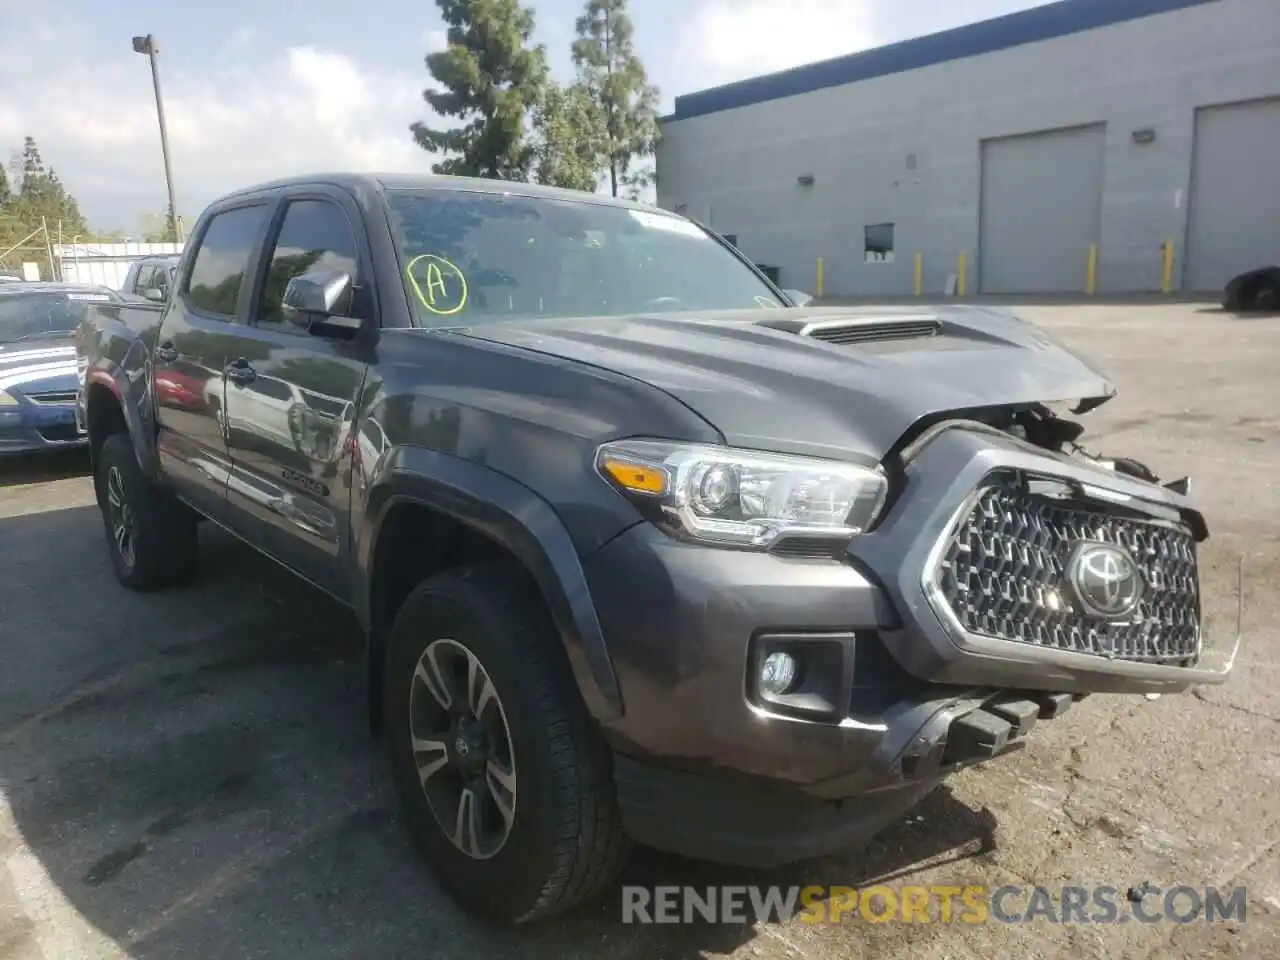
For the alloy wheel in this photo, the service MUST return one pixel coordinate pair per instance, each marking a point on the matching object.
(121, 516)
(462, 749)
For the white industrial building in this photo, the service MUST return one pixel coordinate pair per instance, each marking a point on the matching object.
(1112, 145)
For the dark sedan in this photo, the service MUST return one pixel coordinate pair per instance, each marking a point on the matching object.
(38, 379)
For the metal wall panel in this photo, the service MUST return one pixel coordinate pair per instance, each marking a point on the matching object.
(1234, 222)
(1041, 210)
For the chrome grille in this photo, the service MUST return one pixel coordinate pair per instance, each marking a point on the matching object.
(1004, 574)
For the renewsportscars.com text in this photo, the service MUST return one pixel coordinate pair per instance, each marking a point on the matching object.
(975, 904)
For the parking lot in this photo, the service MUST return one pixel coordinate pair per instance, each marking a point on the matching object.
(189, 774)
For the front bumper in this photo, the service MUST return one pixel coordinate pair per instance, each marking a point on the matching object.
(904, 697)
(940, 480)
(37, 428)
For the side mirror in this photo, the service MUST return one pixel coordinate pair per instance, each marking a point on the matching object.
(154, 294)
(318, 301)
(798, 297)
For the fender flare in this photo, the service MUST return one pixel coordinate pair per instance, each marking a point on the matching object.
(510, 514)
(131, 392)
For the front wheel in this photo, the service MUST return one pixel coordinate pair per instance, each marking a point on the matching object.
(153, 538)
(506, 786)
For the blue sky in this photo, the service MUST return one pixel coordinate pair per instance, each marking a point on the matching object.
(262, 88)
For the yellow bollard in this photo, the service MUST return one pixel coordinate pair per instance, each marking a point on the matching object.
(1091, 272)
(821, 277)
(919, 274)
(1166, 277)
(962, 263)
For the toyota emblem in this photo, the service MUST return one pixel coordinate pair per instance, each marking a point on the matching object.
(1105, 579)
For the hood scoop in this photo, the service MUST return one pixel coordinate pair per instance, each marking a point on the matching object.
(872, 331)
(848, 330)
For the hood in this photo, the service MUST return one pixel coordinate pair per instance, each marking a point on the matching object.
(825, 381)
(33, 367)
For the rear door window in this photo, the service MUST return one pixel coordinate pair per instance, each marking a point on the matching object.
(222, 259)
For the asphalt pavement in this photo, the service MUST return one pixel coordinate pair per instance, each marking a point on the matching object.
(189, 775)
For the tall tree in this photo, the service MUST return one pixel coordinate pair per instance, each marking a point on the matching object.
(42, 196)
(4, 188)
(491, 78)
(571, 140)
(609, 68)
(63, 206)
(32, 162)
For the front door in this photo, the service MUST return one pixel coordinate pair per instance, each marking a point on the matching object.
(291, 397)
(195, 338)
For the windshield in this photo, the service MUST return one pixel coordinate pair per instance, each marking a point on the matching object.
(470, 258)
(42, 315)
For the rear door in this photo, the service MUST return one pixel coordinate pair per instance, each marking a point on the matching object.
(291, 394)
(193, 345)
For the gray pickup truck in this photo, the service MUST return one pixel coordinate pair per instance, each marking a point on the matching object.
(643, 550)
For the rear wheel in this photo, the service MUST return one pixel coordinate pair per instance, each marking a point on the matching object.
(506, 786)
(152, 537)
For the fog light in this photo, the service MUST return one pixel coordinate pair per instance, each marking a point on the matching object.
(777, 674)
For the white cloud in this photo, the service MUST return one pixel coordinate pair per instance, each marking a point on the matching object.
(265, 112)
(251, 109)
(731, 40)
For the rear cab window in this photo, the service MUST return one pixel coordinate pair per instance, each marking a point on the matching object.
(222, 260)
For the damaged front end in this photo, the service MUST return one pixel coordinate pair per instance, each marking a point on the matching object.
(1025, 562)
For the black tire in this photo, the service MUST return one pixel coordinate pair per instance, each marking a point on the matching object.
(564, 843)
(1266, 299)
(162, 542)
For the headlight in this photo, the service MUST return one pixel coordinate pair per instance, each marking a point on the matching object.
(7, 399)
(745, 497)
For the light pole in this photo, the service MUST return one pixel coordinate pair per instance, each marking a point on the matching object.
(148, 46)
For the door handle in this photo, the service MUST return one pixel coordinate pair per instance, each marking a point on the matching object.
(240, 373)
(166, 352)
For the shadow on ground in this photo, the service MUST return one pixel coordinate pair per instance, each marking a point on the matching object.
(190, 773)
(1240, 314)
(24, 469)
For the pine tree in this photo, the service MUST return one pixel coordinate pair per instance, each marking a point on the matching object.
(42, 198)
(571, 140)
(32, 162)
(609, 68)
(491, 78)
(63, 206)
